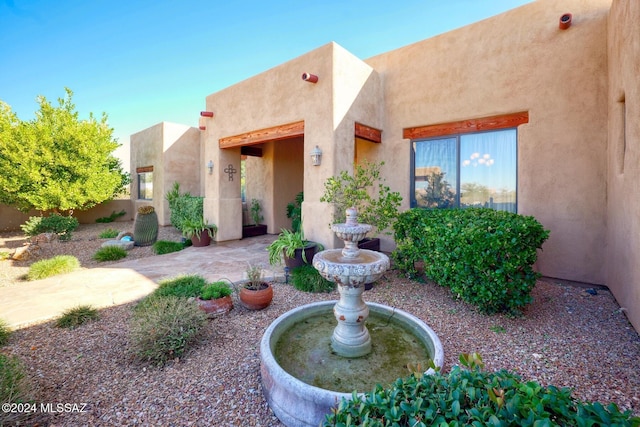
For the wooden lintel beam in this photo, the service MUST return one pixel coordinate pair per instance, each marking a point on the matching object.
(466, 126)
(368, 133)
(144, 169)
(275, 133)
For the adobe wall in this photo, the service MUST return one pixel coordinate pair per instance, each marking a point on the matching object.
(520, 61)
(623, 201)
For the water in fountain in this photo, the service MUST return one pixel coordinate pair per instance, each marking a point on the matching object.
(305, 368)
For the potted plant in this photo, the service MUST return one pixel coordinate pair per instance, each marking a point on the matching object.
(376, 204)
(199, 231)
(255, 293)
(215, 298)
(293, 247)
(255, 228)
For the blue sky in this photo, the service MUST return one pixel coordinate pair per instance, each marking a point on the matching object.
(143, 62)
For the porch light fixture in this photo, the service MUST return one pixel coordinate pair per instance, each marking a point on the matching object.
(316, 156)
(210, 166)
(308, 77)
(206, 113)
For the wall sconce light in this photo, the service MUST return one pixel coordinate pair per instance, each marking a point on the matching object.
(210, 166)
(316, 156)
(206, 113)
(308, 77)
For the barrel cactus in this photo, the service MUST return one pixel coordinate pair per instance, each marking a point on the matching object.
(145, 227)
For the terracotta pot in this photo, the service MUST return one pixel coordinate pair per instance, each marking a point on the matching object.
(204, 239)
(297, 260)
(215, 307)
(256, 300)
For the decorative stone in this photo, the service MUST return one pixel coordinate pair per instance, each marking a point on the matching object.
(22, 254)
(126, 245)
(44, 238)
(123, 234)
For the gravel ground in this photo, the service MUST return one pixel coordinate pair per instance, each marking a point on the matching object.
(567, 337)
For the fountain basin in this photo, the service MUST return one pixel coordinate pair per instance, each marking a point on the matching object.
(296, 403)
(367, 267)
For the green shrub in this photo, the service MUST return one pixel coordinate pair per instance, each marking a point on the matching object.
(110, 253)
(163, 328)
(109, 233)
(484, 256)
(114, 215)
(473, 397)
(183, 207)
(14, 388)
(307, 279)
(4, 255)
(50, 267)
(54, 223)
(162, 247)
(215, 290)
(77, 316)
(5, 332)
(184, 286)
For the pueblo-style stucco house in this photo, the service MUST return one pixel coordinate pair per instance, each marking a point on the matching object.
(536, 110)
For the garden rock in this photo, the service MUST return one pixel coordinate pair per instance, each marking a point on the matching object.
(24, 253)
(123, 234)
(126, 245)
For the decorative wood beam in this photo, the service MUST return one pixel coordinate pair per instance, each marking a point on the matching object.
(466, 126)
(368, 133)
(275, 133)
(144, 169)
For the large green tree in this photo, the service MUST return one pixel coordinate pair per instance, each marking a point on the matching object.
(57, 161)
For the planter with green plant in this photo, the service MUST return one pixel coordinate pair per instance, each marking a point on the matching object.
(255, 228)
(255, 293)
(294, 248)
(199, 231)
(376, 204)
(215, 298)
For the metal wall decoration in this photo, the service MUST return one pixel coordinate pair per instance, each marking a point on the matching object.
(230, 170)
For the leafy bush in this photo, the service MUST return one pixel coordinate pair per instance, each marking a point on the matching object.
(485, 256)
(77, 316)
(183, 207)
(109, 233)
(163, 328)
(307, 279)
(5, 333)
(114, 215)
(473, 397)
(215, 290)
(15, 387)
(110, 253)
(50, 267)
(162, 247)
(4, 255)
(184, 286)
(54, 223)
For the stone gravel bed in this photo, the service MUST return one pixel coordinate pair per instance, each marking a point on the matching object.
(567, 337)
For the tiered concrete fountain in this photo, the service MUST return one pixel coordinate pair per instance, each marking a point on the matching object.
(306, 370)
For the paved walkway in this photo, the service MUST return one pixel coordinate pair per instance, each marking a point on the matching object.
(42, 300)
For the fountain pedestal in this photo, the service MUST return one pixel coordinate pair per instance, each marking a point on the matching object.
(351, 337)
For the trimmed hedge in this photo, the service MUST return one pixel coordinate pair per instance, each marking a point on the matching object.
(484, 256)
(184, 207)
(475, 398)
(63, 226)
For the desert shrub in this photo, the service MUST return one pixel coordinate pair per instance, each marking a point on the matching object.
(15, 387)
(54, 223)
(184, 286)
(183, 206)
(5, 332)
(109, 233)
(114, 215)
(4, 255)
(215, 290)
(110, 253)
(77, 316)
(473, 397)
(484, 256)
(307, 279)
(162, 247)
(163, 328)
(53, 266)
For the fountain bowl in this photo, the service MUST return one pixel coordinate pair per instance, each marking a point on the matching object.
(366, 268)
(296, 403)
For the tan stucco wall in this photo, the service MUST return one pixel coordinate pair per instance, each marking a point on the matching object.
(623, 202)
(520, 61)
(174, 152)
(279, 96)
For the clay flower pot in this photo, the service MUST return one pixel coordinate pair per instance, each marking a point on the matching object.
(215, 307)
(256, 299)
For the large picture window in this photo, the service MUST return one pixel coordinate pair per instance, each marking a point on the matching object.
(145, 185)
(467, 170)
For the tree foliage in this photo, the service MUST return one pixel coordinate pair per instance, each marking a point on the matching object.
(57, 161)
